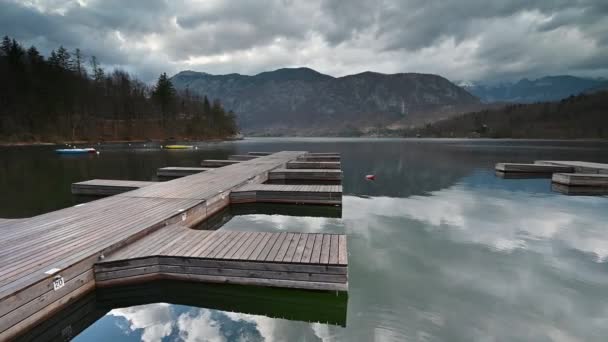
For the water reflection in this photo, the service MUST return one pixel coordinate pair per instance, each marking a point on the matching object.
(196, 312)
(440, 250)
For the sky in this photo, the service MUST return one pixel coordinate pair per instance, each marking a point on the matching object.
(462, 40)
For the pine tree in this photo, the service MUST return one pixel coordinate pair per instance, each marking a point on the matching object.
(164, 95)
(98, 74)
(63, 58)
(6, 46)
(77, 65)
(206, 106)
(34, 56)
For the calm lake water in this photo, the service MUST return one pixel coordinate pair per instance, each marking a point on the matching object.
(440, 248)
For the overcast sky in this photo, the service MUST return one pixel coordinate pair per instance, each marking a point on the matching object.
(458, 39)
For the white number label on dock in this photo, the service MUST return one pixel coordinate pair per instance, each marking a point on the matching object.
(58, 283)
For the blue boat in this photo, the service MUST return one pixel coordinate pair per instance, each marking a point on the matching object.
(75, 150)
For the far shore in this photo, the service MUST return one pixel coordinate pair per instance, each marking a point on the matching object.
(91, 142)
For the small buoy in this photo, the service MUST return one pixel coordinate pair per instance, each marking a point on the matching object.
(370, 177)
(98, 152)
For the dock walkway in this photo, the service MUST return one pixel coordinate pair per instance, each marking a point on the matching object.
(106, 187)
(305, 261)
(47, 261)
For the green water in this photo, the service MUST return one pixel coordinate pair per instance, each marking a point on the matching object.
(440, 249)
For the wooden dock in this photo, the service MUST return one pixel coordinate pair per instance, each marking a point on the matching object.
(293, 260)
(579, 190)
(218, 162)
(297, 194)
(305, 175)
(316, 158)
(260, 153)
(179, 171)
(312, 165)
(47, 261)
(581, 179)
(532, 168)
(578, 166)
(241, 157)
(106, 187)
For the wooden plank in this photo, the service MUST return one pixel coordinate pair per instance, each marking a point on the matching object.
(284, 247)
(325, 249)
(334, 249)
(300, 248)
(342, 252)
(307, 253)
(315, 258)
(292, 248)
(277, 246)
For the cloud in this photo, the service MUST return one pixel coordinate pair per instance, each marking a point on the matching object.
(459, 39)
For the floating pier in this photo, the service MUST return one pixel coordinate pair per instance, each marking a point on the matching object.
(320, 175)
(568, 177)
(106, 187)
(581, 179)
(296, 194)
(318, 158)
(260, 153)
(312, 165)
(578, 166)
(241, 157)
(179, 171)
(532, 168)
(218, 162)
(50, 260)
(305, 261)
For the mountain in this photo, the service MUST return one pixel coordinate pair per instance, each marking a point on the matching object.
(576, 117)
(303, 101)
(550, 88)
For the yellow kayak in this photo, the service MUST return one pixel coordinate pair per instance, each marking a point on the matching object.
(179, 147)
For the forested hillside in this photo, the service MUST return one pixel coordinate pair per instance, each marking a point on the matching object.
(69, 97)
(302, 101)
(577, 117)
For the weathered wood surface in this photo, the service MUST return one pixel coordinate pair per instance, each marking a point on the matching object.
(278, 193)
(532, 168)
(241, 157)
(68, 242)
(578, 166)
(306, 174)
(218, 162)
(179, 171)
(581, 179)
(312, 165)
(106, 187)
(295, 260)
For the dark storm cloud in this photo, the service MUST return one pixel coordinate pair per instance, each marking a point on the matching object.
(460, 39)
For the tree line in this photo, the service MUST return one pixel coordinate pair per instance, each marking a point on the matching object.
(576, 117)
(67, 96)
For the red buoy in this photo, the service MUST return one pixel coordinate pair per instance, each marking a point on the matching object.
(370, 177)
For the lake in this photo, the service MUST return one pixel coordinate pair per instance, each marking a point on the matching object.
(440, 248)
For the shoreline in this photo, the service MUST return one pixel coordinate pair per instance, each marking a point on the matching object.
(85, 142)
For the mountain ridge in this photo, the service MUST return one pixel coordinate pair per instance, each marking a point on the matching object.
(525, 90)
(303, 101)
